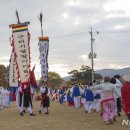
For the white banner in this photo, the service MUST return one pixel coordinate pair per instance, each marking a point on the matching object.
(21, 48)
(44, 48)
(13, 77)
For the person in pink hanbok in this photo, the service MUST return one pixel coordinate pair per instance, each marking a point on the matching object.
(107, 100)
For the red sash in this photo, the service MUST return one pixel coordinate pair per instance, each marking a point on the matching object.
(105, 100)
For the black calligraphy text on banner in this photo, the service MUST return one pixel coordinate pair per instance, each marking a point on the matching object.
(13, 77)
(43, 49)
(20, 43)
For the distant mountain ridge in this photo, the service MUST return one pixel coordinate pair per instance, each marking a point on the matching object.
(107, 72)
(112, 72)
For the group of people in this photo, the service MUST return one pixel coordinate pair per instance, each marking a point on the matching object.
(109, 97)
(24, 98)
(4, 98)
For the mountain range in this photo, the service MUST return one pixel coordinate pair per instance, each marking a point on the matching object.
(112, 72)
(107, 72)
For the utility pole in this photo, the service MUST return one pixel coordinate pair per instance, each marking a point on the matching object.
(92, 54)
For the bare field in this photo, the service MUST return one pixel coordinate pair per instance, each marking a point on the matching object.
(61, 117)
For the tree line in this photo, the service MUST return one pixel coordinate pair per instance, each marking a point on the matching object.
(83, 75)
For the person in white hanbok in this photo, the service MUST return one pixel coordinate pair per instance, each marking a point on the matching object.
(107, 100)
(1, 97)
(118, 85)
(6, 98)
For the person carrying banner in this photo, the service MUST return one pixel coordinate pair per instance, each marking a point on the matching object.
(26, 101)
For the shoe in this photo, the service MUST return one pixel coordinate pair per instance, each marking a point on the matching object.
(119, 114)
(107, 123)
(32, 114)
(24, 111)
(21, 114)
(40, 112)
(46, 112)
(94, 110)
(114, 118)
(111, 121)
(86, 111)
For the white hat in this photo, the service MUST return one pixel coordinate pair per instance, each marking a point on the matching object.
(126, 77)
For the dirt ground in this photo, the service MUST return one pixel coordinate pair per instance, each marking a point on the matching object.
(61, 117)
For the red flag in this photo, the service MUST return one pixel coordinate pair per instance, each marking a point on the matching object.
(126, 97)
(33, 81)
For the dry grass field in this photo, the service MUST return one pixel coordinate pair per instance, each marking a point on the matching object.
(61, 117)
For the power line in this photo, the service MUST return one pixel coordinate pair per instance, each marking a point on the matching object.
(78, 34)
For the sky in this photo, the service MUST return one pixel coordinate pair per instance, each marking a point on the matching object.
(67, 24)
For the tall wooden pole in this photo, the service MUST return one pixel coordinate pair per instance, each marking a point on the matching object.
(41, 19)
(17, 15)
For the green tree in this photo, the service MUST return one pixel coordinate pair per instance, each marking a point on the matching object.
(84, 75)
(75, 74)
(54, 80)
(3, 76)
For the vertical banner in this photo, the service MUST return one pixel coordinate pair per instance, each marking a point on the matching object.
(21, 47)
(13, 77)
(43, 49)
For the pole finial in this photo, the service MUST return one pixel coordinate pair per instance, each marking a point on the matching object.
(41, 19)
(17, 15)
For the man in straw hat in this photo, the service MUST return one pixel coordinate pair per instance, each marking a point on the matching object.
(126, 95)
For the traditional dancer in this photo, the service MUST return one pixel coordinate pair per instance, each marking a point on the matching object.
(26, 101)
(70, 98)
(7, 102)
(96, 103)
(19, 98)
(45, 103)
(61, 95)
(89, 98)
(107, 103)
(1, 97)
(118, 100)
(76, 94)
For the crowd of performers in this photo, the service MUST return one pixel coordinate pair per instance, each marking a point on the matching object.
(108, 98)
(25, 97)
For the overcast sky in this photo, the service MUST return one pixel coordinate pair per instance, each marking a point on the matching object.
(67, 23)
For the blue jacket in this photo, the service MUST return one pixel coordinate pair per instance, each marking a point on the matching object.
(97, 96)
(76, 91)
(88, 94)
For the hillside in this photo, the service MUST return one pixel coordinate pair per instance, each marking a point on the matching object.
(112, 72)
(107, 72)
